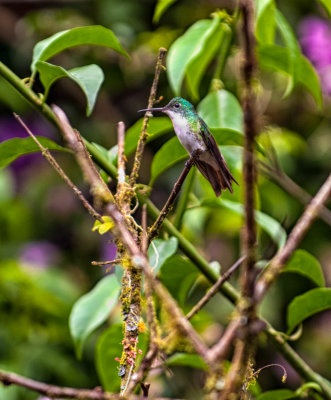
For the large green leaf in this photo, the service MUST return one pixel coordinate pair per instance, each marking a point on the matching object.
(186, 360)
(13, 148)
(94, 35)
(276, 58)
(306, 264)
(107, 349)
(197, 66)
(280, 394)
(160, 251)
(161, 8)
(265, 27)
(294, 49)
(92, 309)
(178, 275)
(157, 126)
(221, 109)
(306, 305)
(169, 154)
(187, 48)
(267, 223)
(89, 78)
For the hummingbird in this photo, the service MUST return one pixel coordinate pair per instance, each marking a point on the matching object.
(196, 138)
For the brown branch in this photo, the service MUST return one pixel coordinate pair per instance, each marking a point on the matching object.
(45, 152)
(242, 325)
(154, 230)
(140, 261)
(144, 135)
(9, 378)
(215, 288)
(298, 232)
(99, 189)
(250, 128)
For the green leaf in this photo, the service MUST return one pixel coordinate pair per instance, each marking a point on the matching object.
(200, 62)
(13, 148)
(108, 348)
(169, 154)
(89, 78)
(265, 28)
(306, 264)
(157, 126)
(160, 9)
(280, 394)
(93, 35)
(221, 109)
(186, 360)
(161, 251)
(327, 5)
(276, 58)
(92, 310)
(293, 47)
(306, 305)
(267, 223)
(187, 48)
(178, 275)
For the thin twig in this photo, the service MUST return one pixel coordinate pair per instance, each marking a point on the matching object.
(143, 135)
(52, 391)
(298, 232)
(215, 288)
(154, 230)
(45, 152)
(101, 263)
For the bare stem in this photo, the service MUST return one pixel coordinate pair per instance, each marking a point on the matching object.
(215, 288)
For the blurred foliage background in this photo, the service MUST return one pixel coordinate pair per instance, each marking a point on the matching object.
(46, 240)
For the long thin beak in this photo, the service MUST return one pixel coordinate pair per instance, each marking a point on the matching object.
(152, 109)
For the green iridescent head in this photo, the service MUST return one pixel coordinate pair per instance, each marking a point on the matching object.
(177, 105)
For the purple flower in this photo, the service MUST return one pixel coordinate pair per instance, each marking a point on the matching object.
(40, 254)
(315, 40)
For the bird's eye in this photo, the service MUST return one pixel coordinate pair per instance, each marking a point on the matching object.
(177, 105)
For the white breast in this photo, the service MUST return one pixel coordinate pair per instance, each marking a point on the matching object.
(182, 130)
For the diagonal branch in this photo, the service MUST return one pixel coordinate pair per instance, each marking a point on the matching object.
(169, 203)
(298, 232)
(215, 288)
(45, 152)
(99, 189)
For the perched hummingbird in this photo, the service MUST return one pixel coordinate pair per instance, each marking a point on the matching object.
(195, 136)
